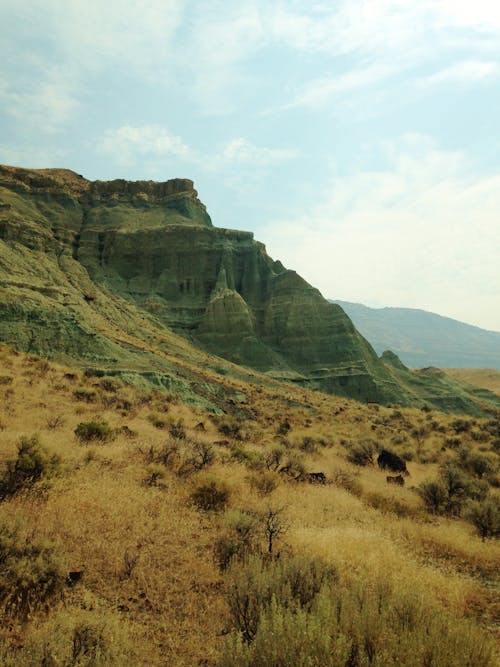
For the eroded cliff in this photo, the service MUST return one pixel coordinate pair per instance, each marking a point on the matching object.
(81, 261)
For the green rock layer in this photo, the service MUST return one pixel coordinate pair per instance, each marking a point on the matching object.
(82, 261)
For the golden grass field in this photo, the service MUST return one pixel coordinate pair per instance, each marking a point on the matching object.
(151, 592)
(486, 378)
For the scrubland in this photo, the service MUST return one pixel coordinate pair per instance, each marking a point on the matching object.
(136, 530)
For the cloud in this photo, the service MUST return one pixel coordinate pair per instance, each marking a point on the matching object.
(52, 50)
(466, 72)
(421, 232)
(320, 92)
(44, 106)
(241, 151)
(129, 144)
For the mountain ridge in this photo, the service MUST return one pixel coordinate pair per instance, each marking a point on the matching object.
(422, 338)
(93, 271)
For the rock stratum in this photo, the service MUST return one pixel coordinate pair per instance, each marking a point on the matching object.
(132, 278)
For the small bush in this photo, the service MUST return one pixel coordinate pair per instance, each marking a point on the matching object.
(240, 539)
(158, 422)
(155, 474)
(309, 445)
(362, 453)
(33, 463)
(274, 456)
(176, 429)
(94, 430)
(434, 496)
(264, 482)
(485, 516)
(86, 395)
(348, 482)
(211, 495)
(292, 582)
(32, 571)
(230, 426)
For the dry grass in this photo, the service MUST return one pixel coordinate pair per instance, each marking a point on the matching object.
(151, 592)
(486, 378)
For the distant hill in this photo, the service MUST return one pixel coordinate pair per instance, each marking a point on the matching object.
(422, 339)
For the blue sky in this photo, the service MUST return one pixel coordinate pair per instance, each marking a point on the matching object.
(358, 139)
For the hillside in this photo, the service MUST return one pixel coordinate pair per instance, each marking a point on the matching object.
(132, 279)
(139, 530)
(486, 378)
(420, 338)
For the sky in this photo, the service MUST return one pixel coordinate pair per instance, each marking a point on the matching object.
(358, 139)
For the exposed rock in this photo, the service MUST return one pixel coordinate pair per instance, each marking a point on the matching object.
(149, 256)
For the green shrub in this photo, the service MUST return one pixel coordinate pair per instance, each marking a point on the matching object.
(308, 445)
(31, 572)
(87, 395)
(94, 430)
(293, 582)
(358, 625)
(230, 426)
(211, 495)
(434, 496)
(33, 463)
(239, 540)
(485, 516)
(264, 482)
(362, 453)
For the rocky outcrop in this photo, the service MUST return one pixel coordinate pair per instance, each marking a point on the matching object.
(83, 254)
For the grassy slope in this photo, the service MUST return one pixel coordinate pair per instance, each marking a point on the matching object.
(151, 585)
(486, 378)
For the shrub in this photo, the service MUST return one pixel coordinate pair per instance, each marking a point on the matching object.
(362, 453)
(309, 445)
(264, 482)
(240, 539)
(274, 456)
(434, 496)
(155, 474)
(363, 624)
(292, 582)
(94, 430)
(176, 429)
(33, 463)
(457, 486)
(87, 395)
(211, 495)
(87, 637)
(348, 482)
(32, 571)
(485, 516)
(230, 426)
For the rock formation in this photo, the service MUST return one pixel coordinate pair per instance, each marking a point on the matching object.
(79, 259)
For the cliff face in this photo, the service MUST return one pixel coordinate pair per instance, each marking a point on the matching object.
(79, 259)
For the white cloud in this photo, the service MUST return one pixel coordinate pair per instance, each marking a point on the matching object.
(321, 92)
(421, 233)
(52, 49)
(43, 106)
(130, 144)
(241, 151)
(469, 71)
(127, 144)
